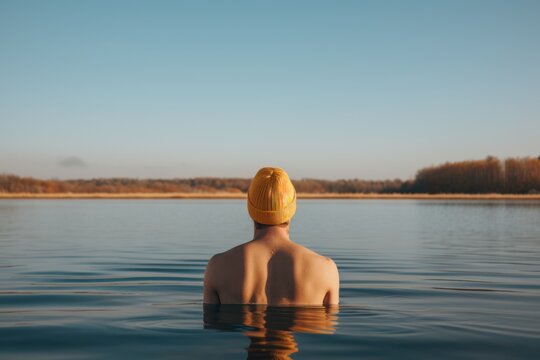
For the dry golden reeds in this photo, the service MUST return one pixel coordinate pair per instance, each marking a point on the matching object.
(228, 195)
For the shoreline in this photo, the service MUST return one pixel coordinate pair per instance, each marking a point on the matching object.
(225, 195)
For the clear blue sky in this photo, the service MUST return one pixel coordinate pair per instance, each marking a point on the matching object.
(325, 89)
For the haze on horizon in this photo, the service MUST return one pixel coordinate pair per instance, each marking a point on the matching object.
(325, 89)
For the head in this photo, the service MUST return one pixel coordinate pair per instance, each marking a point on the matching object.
(271, 198)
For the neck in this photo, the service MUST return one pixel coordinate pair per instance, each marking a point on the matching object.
(276, 232)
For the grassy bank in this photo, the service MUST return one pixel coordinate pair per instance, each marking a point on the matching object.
(225, 195)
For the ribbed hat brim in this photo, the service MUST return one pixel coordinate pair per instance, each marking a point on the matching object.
(269, 217)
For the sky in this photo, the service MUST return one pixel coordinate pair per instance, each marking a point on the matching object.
(324, 89)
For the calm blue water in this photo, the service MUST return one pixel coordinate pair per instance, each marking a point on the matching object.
(95, 279)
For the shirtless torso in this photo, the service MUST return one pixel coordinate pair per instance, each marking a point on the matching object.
(271, 269)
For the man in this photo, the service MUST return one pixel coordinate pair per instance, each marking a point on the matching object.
(271, 269)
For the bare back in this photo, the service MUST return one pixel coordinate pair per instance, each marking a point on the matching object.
(271, 271)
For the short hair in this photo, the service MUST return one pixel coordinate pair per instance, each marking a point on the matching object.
(262, 226)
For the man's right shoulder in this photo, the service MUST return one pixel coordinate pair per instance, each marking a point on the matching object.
(226, 255)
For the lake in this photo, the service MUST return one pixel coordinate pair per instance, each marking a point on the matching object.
(95, 279)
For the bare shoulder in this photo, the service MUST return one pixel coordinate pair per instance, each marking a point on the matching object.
(225, 257)
(326, 273)
(328, 265)
(321, 261)
(331, 267)
(217, 264)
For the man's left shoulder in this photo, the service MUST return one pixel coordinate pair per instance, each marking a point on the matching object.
(320, 260)
(327, 266)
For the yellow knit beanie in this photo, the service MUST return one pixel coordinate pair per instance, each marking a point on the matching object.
(271, 197)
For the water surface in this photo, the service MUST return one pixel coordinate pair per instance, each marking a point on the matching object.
(123, 278)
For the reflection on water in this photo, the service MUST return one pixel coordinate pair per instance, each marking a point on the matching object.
(271, 329)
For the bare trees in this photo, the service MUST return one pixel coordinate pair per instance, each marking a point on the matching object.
(513, 175)
(522, 175)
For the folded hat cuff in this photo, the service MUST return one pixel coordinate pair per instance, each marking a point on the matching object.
(272, 217)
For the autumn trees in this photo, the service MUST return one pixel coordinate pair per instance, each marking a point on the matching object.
(522, 176)
(491, 175)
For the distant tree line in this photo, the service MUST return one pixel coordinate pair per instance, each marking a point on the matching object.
(491, 175)
(16, 184)
(315, 186)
